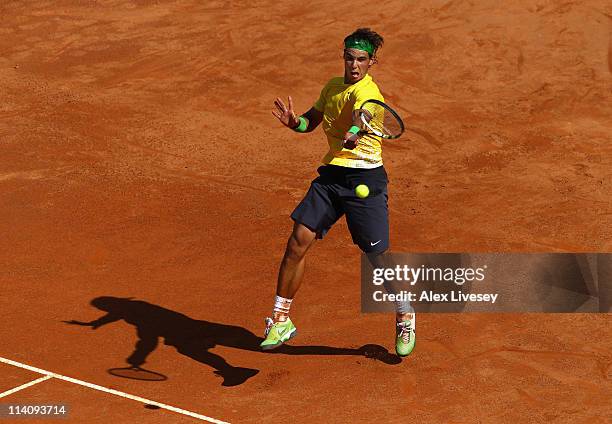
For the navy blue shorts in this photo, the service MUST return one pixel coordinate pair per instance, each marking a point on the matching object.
(332, 195)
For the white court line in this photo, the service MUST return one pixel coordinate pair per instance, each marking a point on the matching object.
(25, 386)
(50, 374)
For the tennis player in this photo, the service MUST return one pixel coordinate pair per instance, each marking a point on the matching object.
(352, 159)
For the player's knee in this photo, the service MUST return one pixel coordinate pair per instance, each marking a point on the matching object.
(294, 251)
(298, 244)
(377, 259)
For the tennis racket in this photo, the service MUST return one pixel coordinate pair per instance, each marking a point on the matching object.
(380, 120)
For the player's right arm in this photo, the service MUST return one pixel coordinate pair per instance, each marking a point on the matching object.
(351, 137)
(304, 123)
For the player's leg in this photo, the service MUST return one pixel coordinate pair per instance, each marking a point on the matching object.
(291, 268)
(313, 217)
(280, 328)
(369, 225)
(405, 318)
(404, 311)
(368, 221)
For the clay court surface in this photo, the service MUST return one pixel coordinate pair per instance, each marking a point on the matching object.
(139, 159)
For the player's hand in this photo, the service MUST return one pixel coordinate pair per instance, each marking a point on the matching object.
(350, 140)
(285, 114)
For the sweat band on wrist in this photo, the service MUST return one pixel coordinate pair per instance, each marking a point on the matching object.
(302, 125)
(354, 129)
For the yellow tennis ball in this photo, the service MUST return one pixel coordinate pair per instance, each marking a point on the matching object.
(362, 191)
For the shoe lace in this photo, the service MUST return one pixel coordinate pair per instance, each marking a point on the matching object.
(269, 322)
(405, 330)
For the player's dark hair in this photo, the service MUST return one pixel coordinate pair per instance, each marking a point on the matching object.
(367, 34)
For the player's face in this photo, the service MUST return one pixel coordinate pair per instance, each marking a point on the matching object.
(356, 65)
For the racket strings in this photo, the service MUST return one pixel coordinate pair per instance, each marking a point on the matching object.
(390, 124)
(382, 120)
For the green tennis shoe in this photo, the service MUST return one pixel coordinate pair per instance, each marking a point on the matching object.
(405, 337)
(277, 333)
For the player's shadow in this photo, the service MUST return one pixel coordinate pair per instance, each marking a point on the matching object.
(195, 338)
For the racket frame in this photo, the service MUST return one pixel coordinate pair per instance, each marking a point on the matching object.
(373, 130)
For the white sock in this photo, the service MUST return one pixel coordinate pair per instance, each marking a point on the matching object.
(281, 308)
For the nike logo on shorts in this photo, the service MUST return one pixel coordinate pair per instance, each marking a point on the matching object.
(374, 244)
